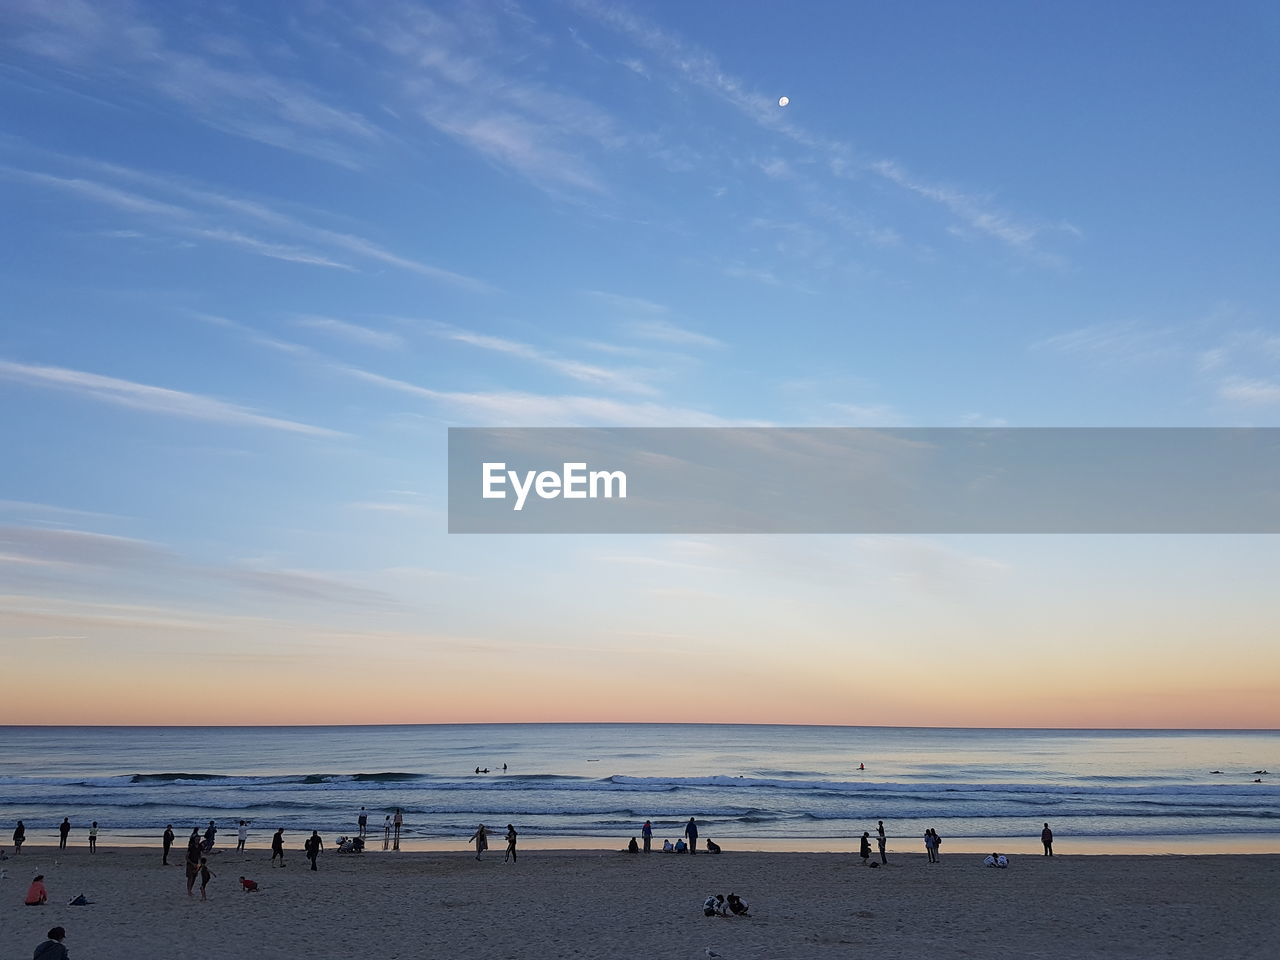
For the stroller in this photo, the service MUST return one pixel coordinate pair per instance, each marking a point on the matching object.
(350, 845)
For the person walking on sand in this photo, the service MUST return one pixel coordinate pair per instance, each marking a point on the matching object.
(396, 823)
(209, 836)
(511, 844)
(481, 840)
(1046, 837)
(362, 821)
(691, 831)
(19, 837)
(880, 840)
(242, 835)
(646, 833)
(63, 829)
(93, 837)
(205, 876)
(386, 833)
(166, 839)
(277, 846)
(864, 847)
(53, 948)
(313, 846)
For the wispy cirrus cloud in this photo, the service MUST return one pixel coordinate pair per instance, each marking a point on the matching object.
(699, 67)
(589, 373)
(462, 77)
(151, 399)
(207, 214)
(351, 332)
(123, 53)
(647, 320)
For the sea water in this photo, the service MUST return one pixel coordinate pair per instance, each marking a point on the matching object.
(749, 786)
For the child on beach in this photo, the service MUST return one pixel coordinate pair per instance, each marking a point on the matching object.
(242, 835)
(737, 906)
(248, 886)
(205, 876)
(93, 837)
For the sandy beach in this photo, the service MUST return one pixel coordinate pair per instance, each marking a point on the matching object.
(568, 903)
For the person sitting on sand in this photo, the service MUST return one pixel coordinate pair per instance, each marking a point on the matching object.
(633, 847)
(248, 886)
(712, 846)
(681, 846)
(53, 948)
(715, 906)
(668, 847)
(737, 906)
(37, 895)
(996, 860)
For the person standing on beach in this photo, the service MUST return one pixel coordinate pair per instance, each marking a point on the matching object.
(19, 837)
(93, 837)
(691, 831)
(242, 835)
(646, 832)
(397, 822)
(1046, 837)
(167, 839)
(193, 861)
(63, 829)
(880, 840)
(386, 833)
(929, 847)
(937, 846)
(362, 821)
(209, 835)
(864, 847)
(277, 846)
(511, 844)
(313, 846)
(481, 840)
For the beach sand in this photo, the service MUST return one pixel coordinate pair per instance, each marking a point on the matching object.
(593, 904)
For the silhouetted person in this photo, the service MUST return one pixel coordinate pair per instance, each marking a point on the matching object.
(1046, 837)
(646, 832)
(277, 846)
(313, 846)
(53, 948)
(691, 831)
(511, 844)
(880, 840)
(19, 837)
(63, 829)
(166, 838)
(864, 847)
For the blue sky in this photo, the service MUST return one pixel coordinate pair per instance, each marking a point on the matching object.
(257, 259)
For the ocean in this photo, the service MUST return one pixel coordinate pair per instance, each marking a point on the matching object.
(592, 785)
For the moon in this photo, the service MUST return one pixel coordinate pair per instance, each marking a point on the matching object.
(783, 101)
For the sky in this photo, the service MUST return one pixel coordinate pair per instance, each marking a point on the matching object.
(255, 259)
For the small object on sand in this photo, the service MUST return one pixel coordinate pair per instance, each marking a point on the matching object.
(711, 953)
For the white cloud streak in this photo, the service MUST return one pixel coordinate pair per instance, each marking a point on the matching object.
(150, 399)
